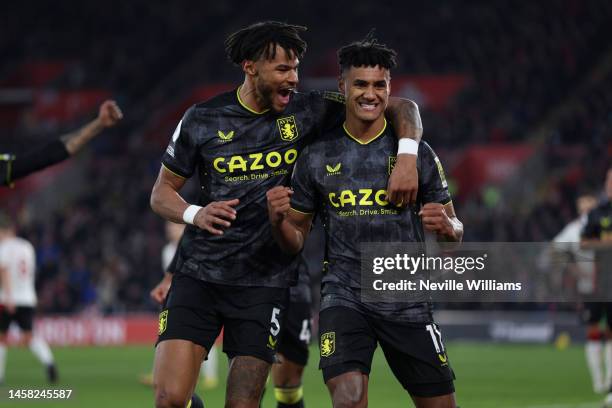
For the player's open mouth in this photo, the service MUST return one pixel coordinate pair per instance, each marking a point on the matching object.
(370, 107)
(284, 95)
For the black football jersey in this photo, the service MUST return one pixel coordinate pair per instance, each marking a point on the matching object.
(344, 181)
(239, 153)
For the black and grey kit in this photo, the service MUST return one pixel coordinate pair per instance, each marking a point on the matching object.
(238, 153)
(343, 180)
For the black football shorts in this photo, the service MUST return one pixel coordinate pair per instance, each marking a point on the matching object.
(414, 351)
(23, 316)
(250, 316)
(295, 334)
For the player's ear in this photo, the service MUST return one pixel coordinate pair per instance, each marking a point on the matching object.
(248, 66)
(341, 86)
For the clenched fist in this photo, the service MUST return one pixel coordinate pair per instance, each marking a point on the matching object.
(109, 113)
(436, 220)
(279, 203)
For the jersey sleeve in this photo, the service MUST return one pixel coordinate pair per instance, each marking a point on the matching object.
(181, 156)
(328, 108)
(32, 160)
(304, 193)
(592, 228)
(433, 186)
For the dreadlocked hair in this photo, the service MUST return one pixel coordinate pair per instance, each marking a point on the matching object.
(261, 39)
(366, 53)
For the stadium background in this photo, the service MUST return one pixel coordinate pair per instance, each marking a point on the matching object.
(516, 98)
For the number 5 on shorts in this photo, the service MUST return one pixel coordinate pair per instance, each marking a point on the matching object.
(274, 323)
(274, 329)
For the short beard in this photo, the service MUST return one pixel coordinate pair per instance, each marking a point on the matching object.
(264, 93)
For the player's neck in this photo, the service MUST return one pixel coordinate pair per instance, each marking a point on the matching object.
(364, 131)
(247, 96)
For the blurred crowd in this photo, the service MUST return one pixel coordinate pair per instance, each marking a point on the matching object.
(540, 73)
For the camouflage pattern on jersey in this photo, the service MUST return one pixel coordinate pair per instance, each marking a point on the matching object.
(238, 153)
(344, 181)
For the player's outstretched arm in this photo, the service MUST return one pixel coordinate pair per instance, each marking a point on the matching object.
(109, 115)
(403, 184)
(442, 220)
(167, 202)
(289, 227)
(67, 145)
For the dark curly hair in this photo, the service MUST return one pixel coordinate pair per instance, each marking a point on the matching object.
(261, 39)
(366, 53)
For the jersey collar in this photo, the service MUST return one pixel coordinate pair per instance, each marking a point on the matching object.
(245, 106)
(369, 141)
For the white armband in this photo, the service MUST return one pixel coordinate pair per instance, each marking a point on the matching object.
(190, 213)
(407, 146)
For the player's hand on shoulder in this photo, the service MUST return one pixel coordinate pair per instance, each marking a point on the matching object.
(403, 184)
(109, 113)
(279, 203)
(435, 218)
(216, 216)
